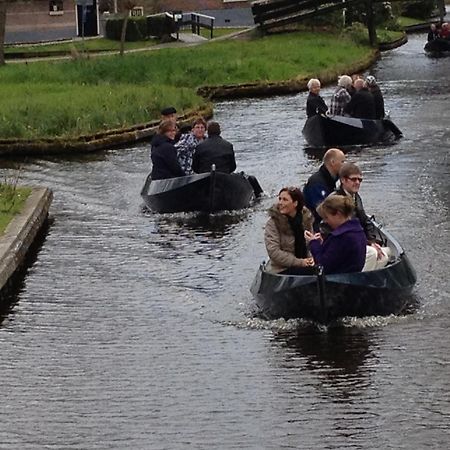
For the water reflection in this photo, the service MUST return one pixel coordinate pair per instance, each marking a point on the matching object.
(340, 357)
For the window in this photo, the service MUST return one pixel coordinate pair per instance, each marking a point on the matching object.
(56, 8)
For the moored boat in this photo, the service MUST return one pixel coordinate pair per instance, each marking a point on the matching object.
(206, 192)
(332, 131)
(325, 298)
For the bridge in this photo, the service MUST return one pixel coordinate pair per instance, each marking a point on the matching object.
(270, 14)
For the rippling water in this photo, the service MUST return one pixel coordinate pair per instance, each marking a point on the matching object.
(137, 330)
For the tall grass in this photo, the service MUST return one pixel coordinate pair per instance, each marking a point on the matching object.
(75, 97)
(12, 199)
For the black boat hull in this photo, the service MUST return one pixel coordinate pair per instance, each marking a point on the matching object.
(438, 46)
(207, 192)
(325, 298)
(334, 131)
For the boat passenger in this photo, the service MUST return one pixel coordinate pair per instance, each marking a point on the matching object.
(351, 177)
(362, 104)
(433, 33)
(374, 89)
(344, 249)
(284, 234)
(315, 104)
(444, 33)
(351, 90)
(341, 96)
(214, 150)
(170, 113)
(164, 154)
(323, 182)
(187, 144)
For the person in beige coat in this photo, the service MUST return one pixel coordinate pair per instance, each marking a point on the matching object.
(284, 234)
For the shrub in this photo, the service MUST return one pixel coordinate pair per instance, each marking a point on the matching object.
(357, 32)
(160, 25)
(136, 28)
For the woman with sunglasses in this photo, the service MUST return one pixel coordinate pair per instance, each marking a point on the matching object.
(284, 234)
(351, 177)
(344, 249)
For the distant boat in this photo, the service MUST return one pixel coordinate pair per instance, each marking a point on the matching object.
(206, 192)
(438, 46)
(325, 298)
(331, 131)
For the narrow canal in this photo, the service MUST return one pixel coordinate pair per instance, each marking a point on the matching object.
(136, 330)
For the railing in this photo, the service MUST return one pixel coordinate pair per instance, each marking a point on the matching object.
(194, 21)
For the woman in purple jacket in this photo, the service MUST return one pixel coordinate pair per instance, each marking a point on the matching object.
(344, 249)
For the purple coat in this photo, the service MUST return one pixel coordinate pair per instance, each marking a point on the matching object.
(343, 251)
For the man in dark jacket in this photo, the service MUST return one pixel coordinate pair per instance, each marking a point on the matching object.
(323, 182)
(362, 104)
(214, 150)
(374, 89)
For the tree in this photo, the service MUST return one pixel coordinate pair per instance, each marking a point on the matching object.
(2, 31)
(127, 6)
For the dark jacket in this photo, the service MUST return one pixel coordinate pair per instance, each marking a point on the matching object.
(319, 185)
(379, 102)
(315, 104)
(164, 159)
(359, 213)
(343, 251)
(362, 105)
(214, 150)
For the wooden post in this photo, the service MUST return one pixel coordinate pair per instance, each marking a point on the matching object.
(371, 23)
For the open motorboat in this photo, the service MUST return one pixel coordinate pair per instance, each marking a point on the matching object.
(325, 298)
(334, 131)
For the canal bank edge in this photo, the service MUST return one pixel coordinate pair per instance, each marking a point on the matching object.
(18, 148)
(21, 233)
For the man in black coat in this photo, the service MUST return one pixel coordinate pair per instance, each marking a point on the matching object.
(214, 150)
(323, 182)
(362, 104)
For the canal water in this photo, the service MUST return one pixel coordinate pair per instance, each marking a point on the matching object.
(138, 330)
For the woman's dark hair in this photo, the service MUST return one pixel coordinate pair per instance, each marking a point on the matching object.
(296, 195)
(166, 125)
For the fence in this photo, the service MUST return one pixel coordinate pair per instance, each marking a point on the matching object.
(193, 21)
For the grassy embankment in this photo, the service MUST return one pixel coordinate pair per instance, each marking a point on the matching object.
(12, 199)
(69, 98)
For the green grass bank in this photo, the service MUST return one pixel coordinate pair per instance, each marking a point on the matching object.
(84, 96)
(12, 199)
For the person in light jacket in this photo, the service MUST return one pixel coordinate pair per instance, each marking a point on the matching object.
(284, 234)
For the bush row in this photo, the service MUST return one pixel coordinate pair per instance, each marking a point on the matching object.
(140, 28)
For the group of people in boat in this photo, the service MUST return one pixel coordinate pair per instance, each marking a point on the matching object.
(324, 224)
(354, 97)
(179, 152)
(439, 31)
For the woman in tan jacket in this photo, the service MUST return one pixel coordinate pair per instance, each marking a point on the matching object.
(284, 234)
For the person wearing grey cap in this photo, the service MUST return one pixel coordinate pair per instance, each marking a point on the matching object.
(374, 89)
